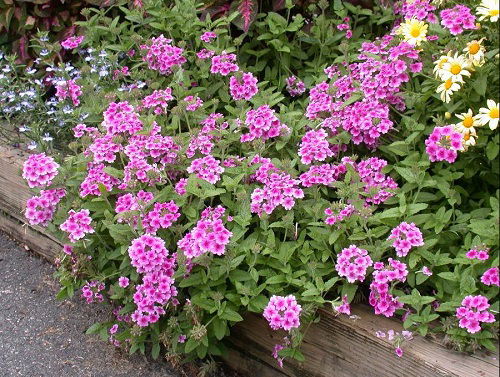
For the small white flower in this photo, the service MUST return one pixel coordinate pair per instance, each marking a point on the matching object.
(47, 137)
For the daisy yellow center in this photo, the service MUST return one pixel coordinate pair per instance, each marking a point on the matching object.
(467, 136)
(474, 48)
(468, 122)
(415, 31)
(494, 113)
(494, 12)
(455, 68)
(448, 84)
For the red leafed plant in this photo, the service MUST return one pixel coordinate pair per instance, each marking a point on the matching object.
(247, 8)
(20, 20)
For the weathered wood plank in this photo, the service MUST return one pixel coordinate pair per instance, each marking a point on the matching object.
(34, 240)
(333, 347)
(343, 347)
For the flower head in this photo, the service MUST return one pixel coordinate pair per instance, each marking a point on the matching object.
(475, 52)
(488, 9)
(413, 31)
(489, 115)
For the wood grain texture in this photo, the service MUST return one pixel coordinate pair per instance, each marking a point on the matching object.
(333, 347)
(343, 347)
(34, 240)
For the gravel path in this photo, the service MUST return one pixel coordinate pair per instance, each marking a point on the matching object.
(40, 336)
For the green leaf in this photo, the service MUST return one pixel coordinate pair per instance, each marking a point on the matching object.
(191, 344)
(155, 350)
(231, 315)
(448, 276)
(94, 329)
(219, 326)
(492, 150)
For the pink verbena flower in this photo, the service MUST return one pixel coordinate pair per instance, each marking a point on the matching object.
(103, 149)
(208, 36)
(162, 216)
(332, 218)
(91, 291)
(123, 281)
(395, 270)
(129, 203)
(207, 168)
(224, 64)
(209, 235)
(377, 185)
(163, 56)
(344, 308)
(314, 146)
(473, 312)
(405, 237)
(41, 209)
(380, 298)
(72, 42)
(352, 263)
(205, 54)
(458, 19)
(147, 253)
(491, 277)
(180, 187)
(443, 144)
(382, 301)
(294, 86)
(71, 89)
(96, 178)
(477, 253)
(158, 101)
(81, 129)
(120, 117)
(39, 170)
(322, 174)
(279, 189)
(193, 102)
(243, 86)
(283, 312)
(418, 9)
(77, 224)
(426, 271)
(262, 124)
(151, 297)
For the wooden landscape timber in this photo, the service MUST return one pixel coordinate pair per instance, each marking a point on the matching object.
(336, 346)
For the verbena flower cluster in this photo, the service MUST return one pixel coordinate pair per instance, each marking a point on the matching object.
(353, 263)
(473, 312)
(405, 237)
(41, 209)
(162, 55)
(39, 170)
(208, 236)
(283, 312)
(458, 19)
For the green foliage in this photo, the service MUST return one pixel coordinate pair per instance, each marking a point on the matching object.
(287, 252)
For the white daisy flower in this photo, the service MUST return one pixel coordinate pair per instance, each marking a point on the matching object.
(489, 115)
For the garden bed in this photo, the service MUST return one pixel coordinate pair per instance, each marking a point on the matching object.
(335, 346)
